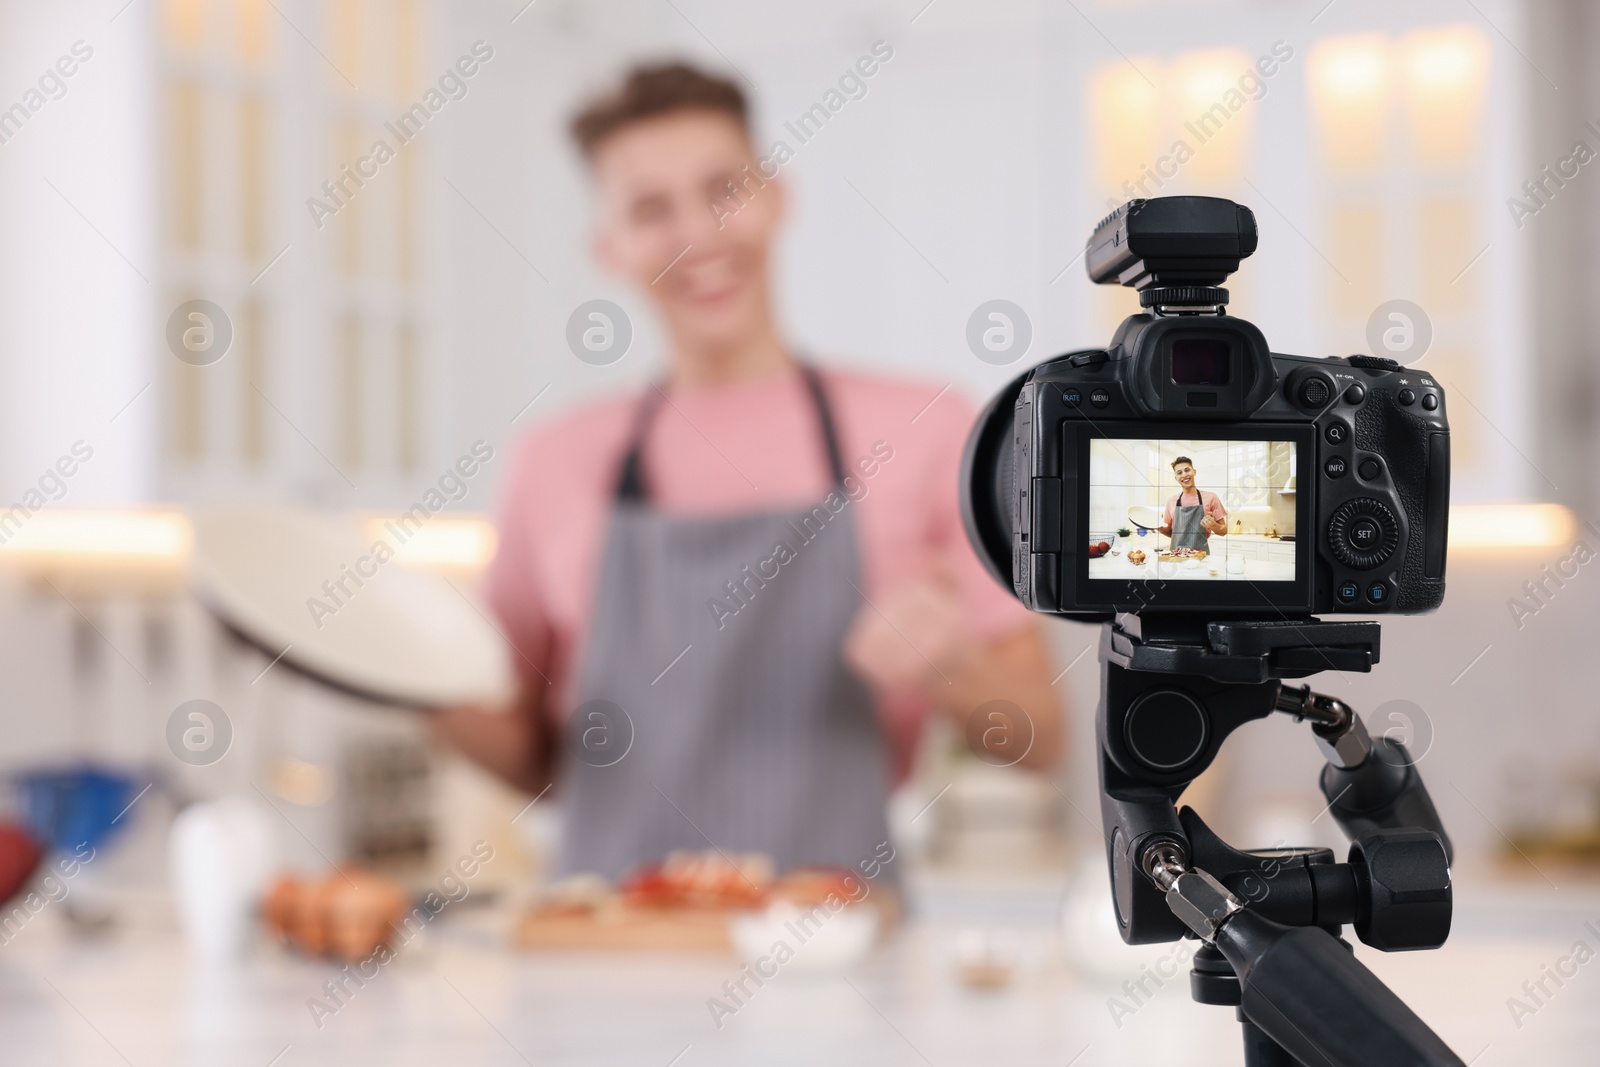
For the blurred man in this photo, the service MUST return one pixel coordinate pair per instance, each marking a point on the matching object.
(736, 594)
(1193, 515)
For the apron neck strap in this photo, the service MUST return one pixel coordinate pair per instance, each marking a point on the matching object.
(630, 481)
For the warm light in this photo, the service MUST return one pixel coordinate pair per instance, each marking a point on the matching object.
(1124, 117)
(1348, 81)
(456, 542)
(253, 19)
(1206, 76)
(185, 23)
(1440, 65)
(146, 536)
(1354, 69)
(1447, 77)
(1449, 58)
(1502, 526)
(1216, 113)
(469, 543)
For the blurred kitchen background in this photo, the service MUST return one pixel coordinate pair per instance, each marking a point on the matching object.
(1388, 157)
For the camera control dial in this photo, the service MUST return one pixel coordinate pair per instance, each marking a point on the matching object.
(1363, 533)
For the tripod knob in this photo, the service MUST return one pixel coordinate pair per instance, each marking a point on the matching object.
(1404, 881)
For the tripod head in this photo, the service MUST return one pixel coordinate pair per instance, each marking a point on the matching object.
(1173, 689)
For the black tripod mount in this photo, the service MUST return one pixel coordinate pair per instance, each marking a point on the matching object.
(1172, 690)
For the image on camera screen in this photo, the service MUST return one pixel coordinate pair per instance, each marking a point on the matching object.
(1192, 509)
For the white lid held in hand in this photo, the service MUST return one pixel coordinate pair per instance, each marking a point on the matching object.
(308, 586)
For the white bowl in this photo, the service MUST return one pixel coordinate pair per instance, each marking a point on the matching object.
(819, 942)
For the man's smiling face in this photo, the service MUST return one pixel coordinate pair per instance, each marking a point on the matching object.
(668, 222)
(1184, 472)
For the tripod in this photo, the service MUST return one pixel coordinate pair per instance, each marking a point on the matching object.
(1172, 690)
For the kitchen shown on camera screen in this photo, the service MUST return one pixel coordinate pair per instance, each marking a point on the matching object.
(1194, 510)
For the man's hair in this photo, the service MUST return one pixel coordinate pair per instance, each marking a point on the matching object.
(1182, 459)
(651, 90)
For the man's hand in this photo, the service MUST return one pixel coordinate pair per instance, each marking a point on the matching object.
(511, 743)
(900, 639)
(914, 638)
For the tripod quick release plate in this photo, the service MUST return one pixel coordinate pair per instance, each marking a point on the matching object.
(1244, 651)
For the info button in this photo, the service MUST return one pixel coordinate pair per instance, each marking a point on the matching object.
(1336, 467)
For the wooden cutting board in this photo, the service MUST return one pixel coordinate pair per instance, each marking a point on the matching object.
(623, 927)
(617, 925)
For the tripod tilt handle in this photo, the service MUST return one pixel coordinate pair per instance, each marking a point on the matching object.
(1311, 995)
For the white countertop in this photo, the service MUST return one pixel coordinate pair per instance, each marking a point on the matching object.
(1118, 568)
(133, 997)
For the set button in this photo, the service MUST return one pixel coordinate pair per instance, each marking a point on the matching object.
(1363, 533)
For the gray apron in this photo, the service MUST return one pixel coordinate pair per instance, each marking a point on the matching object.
(1186, 529)
(739, 727)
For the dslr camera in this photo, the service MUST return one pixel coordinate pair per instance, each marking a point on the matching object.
(1186, 467)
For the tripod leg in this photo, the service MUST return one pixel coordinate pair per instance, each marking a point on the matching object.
(1260, 1050)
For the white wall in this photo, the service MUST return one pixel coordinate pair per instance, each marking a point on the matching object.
(77, 256)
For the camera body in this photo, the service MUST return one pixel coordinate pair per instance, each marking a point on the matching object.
(1188, 468)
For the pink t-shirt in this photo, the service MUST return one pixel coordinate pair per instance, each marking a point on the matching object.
(1209, 500)
(731, 448)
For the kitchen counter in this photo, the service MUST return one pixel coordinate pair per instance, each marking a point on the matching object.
(1118, 568)
(1264, 559)
(459, 996)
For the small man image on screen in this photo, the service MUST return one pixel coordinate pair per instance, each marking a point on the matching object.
(1206, 511)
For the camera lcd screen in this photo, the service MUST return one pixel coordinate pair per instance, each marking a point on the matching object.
(1192, 510)
(1199, 361)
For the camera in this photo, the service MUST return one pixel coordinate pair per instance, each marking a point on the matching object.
(1186, 467)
